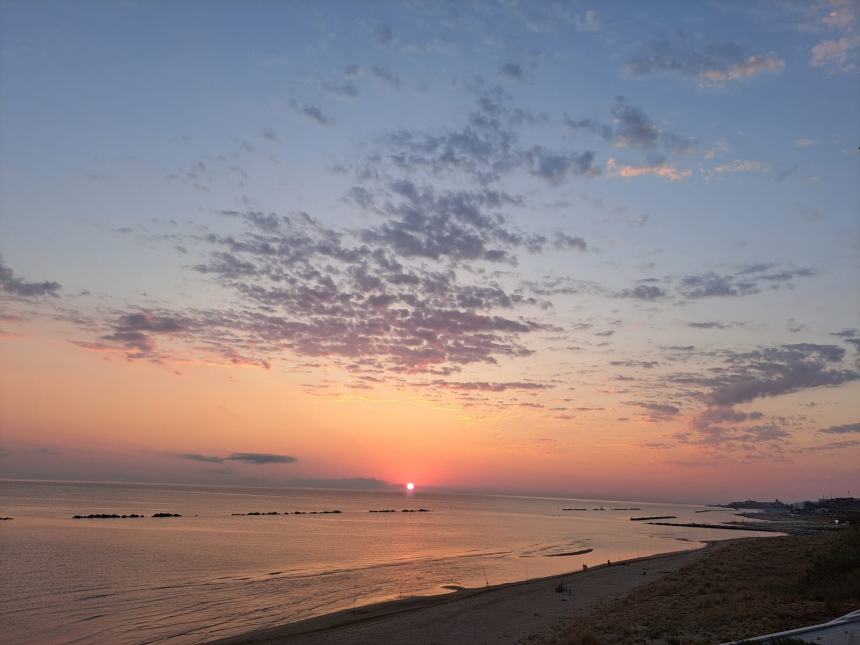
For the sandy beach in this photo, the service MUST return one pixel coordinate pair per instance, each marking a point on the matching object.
(522, 612)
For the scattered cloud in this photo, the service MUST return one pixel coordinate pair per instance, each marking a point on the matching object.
(485, 148)
(208, 459)
(662, 170)
(643, 292)
(20, 288)
(457, 225)
(656, 412)
(708, 64)
(780, 370)
(513, 71)
(833, 445)
(261, 458)
(849, 428)
(747, 281)
(256, 458)
(385, 34)
(713, 324)
(632, 128)
(483, 386)
(372, 72)
(839, 55)
(747, 165)
(346, 90)
(313, 113)
(589, 20)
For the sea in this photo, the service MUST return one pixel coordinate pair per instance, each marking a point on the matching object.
(217, 571)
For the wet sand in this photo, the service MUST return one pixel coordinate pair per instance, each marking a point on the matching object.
(520, 612)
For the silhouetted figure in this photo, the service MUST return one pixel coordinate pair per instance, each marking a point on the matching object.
(608, 563)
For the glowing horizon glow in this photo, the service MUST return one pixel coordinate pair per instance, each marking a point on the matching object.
(410, 486)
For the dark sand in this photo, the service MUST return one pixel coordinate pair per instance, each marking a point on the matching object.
(520, 612)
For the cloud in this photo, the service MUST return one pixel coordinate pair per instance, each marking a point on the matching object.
(19, 288)
(834, 445)
(208, 459)
(656, 411)
(838, 55)
(588, 20)
(780, 370)
(460, 225)
(482, 386)
(745, 376)
(374, 72)
(662, 170)
(269, 135)
(723, 414)
(313, 113)
(512, 71)
(385, 34)
(845, 333)
(749, 438)
(708, 64)
(643, 292)
(724, 426)
(565, 242)
(631, 363)
(486, 148)
(747, 281)
(838, 18)
(556, 167)
(632, 128)
(712, 324)
(261, 458)
(256, 458)
(368, 295)
(135, 331)
(346, 90)
(843, 429)
(738, 165)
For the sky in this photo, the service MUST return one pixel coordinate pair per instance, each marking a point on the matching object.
(537, 247)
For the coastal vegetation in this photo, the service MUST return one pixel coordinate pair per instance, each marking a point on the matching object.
(740, 590)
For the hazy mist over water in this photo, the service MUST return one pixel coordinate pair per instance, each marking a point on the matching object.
(209, 574)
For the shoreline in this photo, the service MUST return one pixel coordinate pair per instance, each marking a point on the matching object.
(598, 583)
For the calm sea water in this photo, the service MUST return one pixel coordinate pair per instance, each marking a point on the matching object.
(210, 574)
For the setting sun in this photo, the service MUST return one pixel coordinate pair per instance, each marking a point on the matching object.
(410, 486)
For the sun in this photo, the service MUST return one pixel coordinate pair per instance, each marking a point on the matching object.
(410, 486)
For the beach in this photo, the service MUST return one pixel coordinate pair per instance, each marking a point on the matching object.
(520, 612)
(726, 591)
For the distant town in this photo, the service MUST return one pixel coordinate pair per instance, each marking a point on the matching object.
(842, 508)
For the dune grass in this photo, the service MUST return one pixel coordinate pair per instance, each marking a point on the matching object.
(743, 589)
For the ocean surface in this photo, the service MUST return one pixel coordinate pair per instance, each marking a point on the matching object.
(210, 573)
